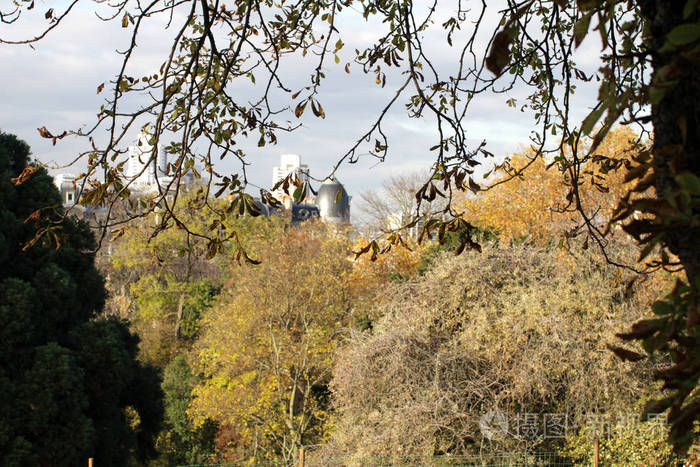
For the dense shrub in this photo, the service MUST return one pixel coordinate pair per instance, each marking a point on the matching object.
(519, 330)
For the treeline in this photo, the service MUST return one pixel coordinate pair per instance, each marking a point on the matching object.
(247, 350)
(351, 359)
(72, 386)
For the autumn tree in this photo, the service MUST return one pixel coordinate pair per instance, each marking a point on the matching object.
(532, 206)
(647, 71)
(267, 347)
(164, 283)
(72, 387)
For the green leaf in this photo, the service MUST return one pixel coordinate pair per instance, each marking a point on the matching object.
(684, 34)
(299, 193)
(662, 308)
(656, 94)
(689, 182)
(339, 195)
(592, 118)
(691, 6)
(581, 28)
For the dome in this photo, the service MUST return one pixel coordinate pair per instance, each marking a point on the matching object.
(333, 202)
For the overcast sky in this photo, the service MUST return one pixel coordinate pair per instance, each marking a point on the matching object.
(54, 85)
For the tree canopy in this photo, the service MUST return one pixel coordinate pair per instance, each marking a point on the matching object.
(532, 208)
(72, 387)
(267, 348)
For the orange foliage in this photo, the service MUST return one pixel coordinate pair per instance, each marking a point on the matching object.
(533, 207)
(367, 276)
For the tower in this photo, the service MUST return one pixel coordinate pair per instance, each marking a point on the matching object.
(139, 167)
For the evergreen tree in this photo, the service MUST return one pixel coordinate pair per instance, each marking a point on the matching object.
(71, 385)
(181, 442)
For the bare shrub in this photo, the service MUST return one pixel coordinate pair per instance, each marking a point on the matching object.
(519, 330)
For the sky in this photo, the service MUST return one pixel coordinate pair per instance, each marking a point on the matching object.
(54, 85)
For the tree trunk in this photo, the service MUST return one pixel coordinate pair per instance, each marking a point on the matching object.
(180, 309)
(681, 103)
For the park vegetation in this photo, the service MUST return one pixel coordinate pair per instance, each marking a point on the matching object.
(304, 345)
(202, 103)
(72, 387)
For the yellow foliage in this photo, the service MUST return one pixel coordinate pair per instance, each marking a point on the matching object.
(533, 207)
(162, 280)
(267, 348)
(398, 263)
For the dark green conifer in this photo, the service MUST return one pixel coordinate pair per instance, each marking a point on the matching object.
(70, 382)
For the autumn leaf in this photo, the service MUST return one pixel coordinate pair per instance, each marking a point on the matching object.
(44, 133)
(25, 175)
(300, 109)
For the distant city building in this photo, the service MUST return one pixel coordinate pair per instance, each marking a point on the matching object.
(333, 202)
(141, 174)
(67, 187)
(146, 177)
(289, 163)
(144, 174)
(324, 205)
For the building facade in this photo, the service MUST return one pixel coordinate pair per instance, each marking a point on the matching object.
(289, 163)
(331, 204)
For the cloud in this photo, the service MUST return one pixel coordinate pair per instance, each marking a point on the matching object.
(55, 85)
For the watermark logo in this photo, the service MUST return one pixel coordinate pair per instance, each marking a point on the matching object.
(530, 426)
(493, 424)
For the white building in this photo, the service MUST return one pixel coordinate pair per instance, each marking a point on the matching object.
(288, 163)
(141, 170)
(66, 186)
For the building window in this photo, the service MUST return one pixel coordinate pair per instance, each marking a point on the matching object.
(69, 196)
